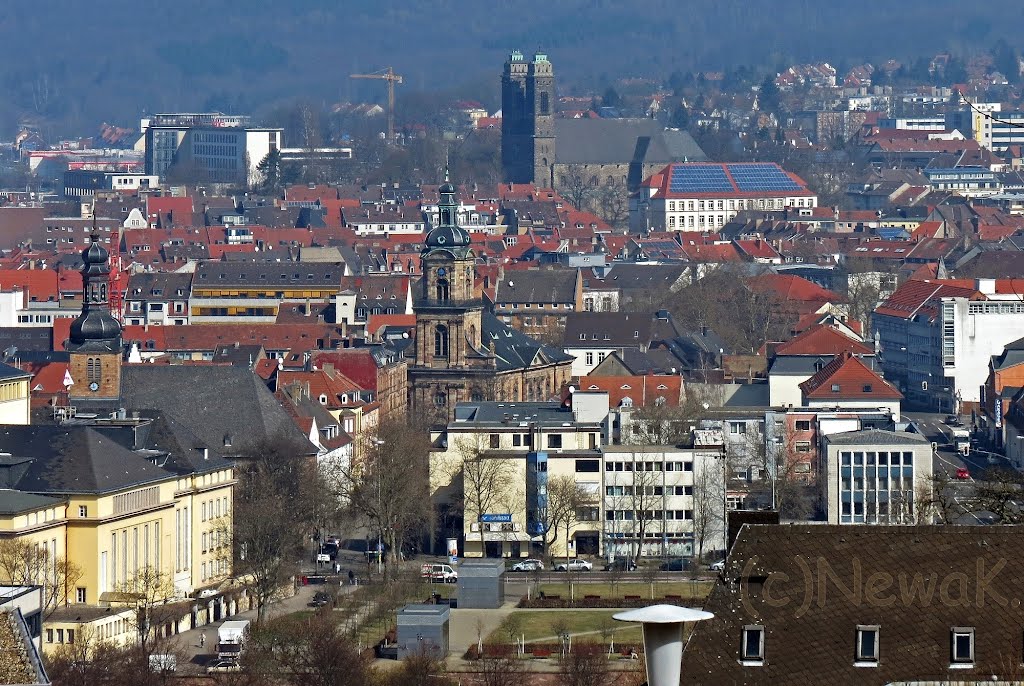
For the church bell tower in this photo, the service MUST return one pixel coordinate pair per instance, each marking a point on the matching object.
(95, 341)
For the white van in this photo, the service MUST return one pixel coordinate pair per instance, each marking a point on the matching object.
(439, 572)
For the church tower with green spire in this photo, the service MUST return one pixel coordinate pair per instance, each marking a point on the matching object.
(451, 361)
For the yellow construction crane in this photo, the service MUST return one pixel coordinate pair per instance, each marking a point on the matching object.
(389, 75)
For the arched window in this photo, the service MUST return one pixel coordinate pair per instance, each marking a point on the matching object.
(444, 290)
(545, 104)
(472, 335)
(92, 370)
(440, 398)
(476, 395)
(440, 341)
(103, 291)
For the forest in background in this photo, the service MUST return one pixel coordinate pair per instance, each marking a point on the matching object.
(67, 65)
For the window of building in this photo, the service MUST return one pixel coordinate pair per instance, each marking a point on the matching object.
(835, 388)
(590, 358)
(803, 446)
(49, 635)
(494, 440)
(80, 595)
(752, 649)
(737, 427)
(588, 466)
(441, 341)
(517, 440)
(440, 399)
(867, 644)
(803, 425)
(83, 510)
(962, 645)
(554, 440)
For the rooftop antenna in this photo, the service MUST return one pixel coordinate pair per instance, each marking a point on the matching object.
(663, 639)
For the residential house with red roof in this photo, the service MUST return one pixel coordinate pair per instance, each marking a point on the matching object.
(847, 382)
(801, 357)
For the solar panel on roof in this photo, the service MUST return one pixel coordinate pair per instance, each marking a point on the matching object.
(699, 179)
(761, 177)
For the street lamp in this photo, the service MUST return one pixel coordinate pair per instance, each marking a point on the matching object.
(380, 506)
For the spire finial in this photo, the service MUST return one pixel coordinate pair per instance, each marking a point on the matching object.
(95, 235)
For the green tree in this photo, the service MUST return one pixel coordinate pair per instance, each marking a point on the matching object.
(611, 98)
(769, 95)
(680, 117)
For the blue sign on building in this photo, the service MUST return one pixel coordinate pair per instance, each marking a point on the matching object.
(496, 518)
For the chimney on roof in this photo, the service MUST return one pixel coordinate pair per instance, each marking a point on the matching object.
(328, 368)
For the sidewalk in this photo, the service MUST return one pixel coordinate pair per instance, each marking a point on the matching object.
(196, 657)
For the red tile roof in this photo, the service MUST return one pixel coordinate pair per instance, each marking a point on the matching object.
(847, 378)
(642, 390)
(821, 339)
(919, 297)
(40, 284)
(793, 288)
(661, 181)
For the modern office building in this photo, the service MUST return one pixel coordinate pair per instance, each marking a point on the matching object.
(209, 147)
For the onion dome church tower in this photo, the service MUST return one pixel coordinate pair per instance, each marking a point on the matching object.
(451, 363)
(95, 341)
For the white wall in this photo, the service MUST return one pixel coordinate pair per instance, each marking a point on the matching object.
(892, 406)
(977, 337)
(785, 390)
(580, 365)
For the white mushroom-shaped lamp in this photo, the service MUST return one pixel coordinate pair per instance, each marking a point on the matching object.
(663, 639)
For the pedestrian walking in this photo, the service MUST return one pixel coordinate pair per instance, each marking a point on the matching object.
(202, 640)
(351, 578)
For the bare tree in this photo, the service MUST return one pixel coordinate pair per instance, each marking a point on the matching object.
(388, 487)
(502, 670)
(613, 203)
(708, 501)
(646, 498)
(25, 563)
(272, 516)
(488, 482)
(306, 651)
(144, 593)
(583, 667)
(574, 185)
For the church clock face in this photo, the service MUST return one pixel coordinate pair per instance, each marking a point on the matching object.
(94, 387)
(441, 271)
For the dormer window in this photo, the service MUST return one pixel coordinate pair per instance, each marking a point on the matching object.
(866, 388)
(835, 388)
(867, 646)
(323, 399)
(962, 646)
(752, 645)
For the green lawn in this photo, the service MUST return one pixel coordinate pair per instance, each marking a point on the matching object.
(687, 590)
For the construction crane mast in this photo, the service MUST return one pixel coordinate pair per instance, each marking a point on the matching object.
(387, 74)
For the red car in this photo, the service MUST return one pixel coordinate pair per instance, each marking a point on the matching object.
(962, 473)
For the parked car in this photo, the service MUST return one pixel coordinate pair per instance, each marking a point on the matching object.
(439, 572)
(530, 565)
(952, 420)
(576, 565)
(620, 564)
(228, 664)
(962, 473)
(679, 564)
(321, 598)
(718, 566)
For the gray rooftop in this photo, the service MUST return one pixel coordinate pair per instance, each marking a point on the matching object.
(620, 141)
(317, 275)
(509, 414)
(876, 437)
(537, 286)
(14, 502)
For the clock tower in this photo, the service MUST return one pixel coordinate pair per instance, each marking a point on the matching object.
(95, 341)
(451, 363)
